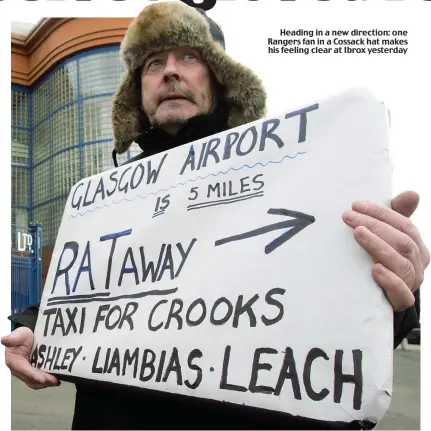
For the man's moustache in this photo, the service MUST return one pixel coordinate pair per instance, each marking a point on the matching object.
(177, 91)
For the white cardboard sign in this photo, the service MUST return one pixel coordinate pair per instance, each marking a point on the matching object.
(222, 269)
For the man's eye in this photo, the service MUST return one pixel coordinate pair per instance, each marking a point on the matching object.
(154, 64)
(190, 57)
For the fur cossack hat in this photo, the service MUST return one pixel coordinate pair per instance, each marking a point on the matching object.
(167, 25)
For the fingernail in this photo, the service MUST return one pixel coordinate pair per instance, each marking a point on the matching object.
(379, 270)
(350, 216)
(360, 205)
(362, 233)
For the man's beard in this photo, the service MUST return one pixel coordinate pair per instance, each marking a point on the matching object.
(170, 120)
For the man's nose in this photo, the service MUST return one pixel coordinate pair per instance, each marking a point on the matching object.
(171, 69)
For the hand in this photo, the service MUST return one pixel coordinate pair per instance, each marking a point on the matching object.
(394, 243)
(17, 357)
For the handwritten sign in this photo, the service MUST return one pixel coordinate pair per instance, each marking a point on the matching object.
(222, 269)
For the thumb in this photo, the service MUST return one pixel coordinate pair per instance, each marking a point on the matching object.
(405, 203)
(18, 337)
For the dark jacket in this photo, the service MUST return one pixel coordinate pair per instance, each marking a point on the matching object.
(109, 406)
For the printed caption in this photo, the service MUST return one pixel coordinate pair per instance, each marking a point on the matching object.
(368, 42)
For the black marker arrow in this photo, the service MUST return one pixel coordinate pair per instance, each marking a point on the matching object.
(299, 222)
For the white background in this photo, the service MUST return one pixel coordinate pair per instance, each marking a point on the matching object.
(291, 80)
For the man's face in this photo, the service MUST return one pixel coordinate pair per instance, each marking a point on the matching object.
(175, 86)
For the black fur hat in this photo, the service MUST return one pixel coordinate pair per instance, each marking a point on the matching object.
(168, 25)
